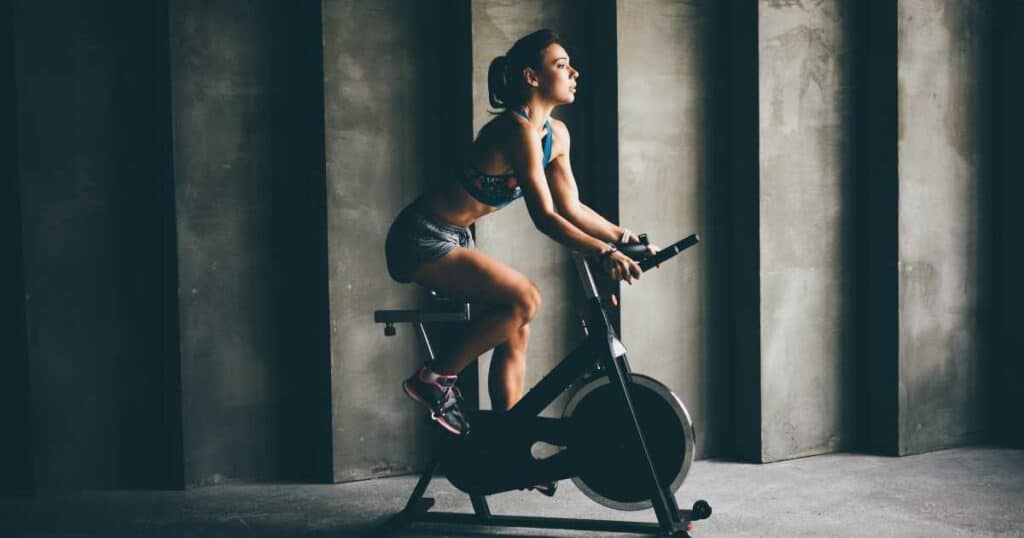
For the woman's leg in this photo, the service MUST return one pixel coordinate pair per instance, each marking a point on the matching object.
(508, 370)
(471, 275)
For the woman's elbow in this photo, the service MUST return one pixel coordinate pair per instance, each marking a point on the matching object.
(571, 213)
(546, 223)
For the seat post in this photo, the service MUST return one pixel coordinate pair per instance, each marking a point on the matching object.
(425, 338)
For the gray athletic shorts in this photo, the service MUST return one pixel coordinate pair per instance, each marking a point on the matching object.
(418, 236)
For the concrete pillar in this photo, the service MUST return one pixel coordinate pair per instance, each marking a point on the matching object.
(90, 166)
(806, 387)
(509, 235)
(668, 140)
(251, 229)
(942, 70)
(386, 141)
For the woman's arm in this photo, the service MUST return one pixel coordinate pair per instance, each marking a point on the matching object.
(566, 195)
(567, 201)
(526, 161)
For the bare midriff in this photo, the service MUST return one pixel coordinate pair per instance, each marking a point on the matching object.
(451, 201)
(453, 204)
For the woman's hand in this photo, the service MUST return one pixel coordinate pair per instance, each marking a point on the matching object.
(621, 267)
(629, 237)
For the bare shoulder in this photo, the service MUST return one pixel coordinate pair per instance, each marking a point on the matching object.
(521, 131)
(560, 129)
(560, 144)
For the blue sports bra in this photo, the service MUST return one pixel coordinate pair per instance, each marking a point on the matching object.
(501, 190)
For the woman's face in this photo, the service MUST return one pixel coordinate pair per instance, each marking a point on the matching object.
(556, 78)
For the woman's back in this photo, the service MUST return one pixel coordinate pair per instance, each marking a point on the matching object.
(489, 153)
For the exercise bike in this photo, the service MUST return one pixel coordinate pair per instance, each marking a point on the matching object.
(624, 439)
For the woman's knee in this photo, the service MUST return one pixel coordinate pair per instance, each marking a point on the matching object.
(517, 343)
(526, 304)
(523, 335)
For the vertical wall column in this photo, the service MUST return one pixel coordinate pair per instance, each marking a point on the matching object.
(943, 128)
(16, 461)
(595, 113)
(743, 297)
(249, 179)
(389, 111)
(90, 165)
(806, 387)
(668, 142)
(509, 235)
(878, 156)
(1008, 286)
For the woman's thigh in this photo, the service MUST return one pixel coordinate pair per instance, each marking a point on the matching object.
(470, 275)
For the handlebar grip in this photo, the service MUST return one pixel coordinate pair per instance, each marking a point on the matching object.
(667, 252)
(636, 251)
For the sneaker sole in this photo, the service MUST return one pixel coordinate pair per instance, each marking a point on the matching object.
(436, 418)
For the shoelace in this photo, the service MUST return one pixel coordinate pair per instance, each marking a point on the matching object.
(452, 396)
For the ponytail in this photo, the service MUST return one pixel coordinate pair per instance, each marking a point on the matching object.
(498, 82)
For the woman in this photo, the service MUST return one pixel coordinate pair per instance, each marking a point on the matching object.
(522, 152)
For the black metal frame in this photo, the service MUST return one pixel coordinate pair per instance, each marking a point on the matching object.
(601, 342)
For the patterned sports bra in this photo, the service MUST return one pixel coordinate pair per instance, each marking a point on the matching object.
(501, 190)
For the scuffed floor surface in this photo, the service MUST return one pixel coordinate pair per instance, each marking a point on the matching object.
(962, 492)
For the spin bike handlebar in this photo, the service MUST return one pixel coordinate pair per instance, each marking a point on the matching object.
(639, 253)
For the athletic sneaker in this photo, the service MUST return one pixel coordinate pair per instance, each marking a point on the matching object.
(440, 396)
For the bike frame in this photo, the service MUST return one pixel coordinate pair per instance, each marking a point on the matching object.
(601, 342)
(601, 349)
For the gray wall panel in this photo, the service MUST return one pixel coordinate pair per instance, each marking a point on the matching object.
(942, 51)
(803, 162)
(248, 154)
(383, 143)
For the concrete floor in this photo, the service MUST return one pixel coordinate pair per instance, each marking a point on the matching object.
(963, 492)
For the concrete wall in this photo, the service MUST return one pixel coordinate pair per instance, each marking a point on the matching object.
(90, 165)
(806, 386)
(248, 160)
(385, 134)
(667, 144)
(509, 235)
(942, 70)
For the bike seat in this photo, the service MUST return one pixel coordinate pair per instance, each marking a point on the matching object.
(439, 309)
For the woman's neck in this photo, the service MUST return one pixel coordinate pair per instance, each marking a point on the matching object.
(539, 112)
